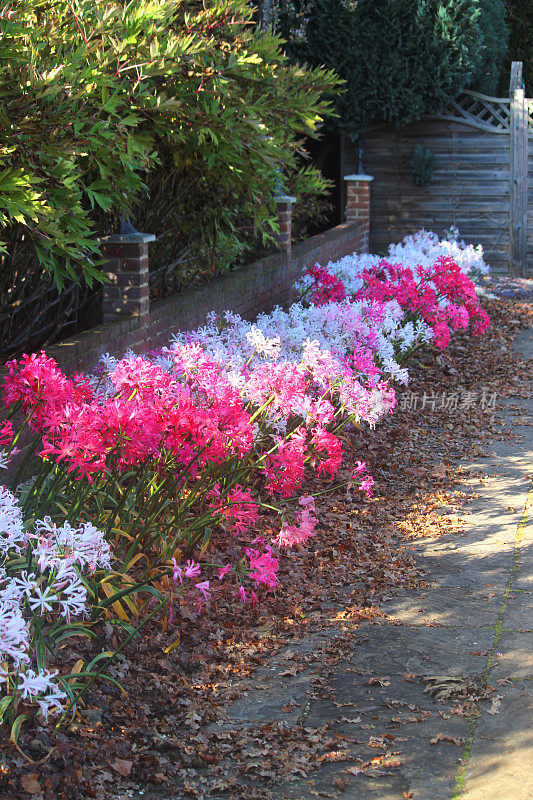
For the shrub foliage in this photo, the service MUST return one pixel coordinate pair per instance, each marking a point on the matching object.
(399, 58)
(102, 102)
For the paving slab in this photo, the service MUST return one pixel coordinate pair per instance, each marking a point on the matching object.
(513, 657)
(500, 770)
(519, 611)
(470, 571)
(523, 580)
(422, 649)
(449, 607)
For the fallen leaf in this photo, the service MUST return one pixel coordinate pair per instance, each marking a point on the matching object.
(289, 671)
(383, 681)
(339, 783)
(442, 737)
(30, 783)
(355, 770)
(496, 703)
(222, 784)
(439, 471)
(122, 766)
(335, 755)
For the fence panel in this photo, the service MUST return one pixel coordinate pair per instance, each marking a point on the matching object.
(482, 180)
(470, 188)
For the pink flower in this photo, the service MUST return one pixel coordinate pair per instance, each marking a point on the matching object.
(192, 569)
(223, 571)
(285, 469)
(6, 433)
(326, 288)
(360, 466)
(203, 587)
(307, 501)
(177, 572)
(366, 485)
(263, 567)
(327, 443)
(291, 535)
(238, 506)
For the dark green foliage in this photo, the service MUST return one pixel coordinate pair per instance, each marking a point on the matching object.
(422, 165)
(400, 58)
(520, 23)
(180, 112)
(495, 36)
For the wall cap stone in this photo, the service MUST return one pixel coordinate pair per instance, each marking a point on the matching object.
(128, 238)
(284, 198)
(358, 177)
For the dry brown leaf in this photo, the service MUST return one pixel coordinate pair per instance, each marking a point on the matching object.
(339, 783)
(442, 737)
(122, 766)
(30, 783)
(496, 703)
(355, 770)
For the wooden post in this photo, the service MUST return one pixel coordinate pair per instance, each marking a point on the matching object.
(518, 172)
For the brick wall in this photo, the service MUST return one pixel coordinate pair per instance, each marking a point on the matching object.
(247, 291)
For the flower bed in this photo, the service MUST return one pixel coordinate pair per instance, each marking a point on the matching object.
(147, 457)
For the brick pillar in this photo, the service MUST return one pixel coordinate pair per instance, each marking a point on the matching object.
(358, 204)
(128, 290)
(285, 204)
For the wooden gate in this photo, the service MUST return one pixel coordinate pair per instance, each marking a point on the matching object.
(483, 177)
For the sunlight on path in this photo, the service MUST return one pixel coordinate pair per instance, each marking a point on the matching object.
(498, 755)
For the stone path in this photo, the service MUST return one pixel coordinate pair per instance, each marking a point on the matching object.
(471, 625)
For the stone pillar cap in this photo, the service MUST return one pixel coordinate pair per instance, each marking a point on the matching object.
(128, 238)
(358, 177)
(284, 198)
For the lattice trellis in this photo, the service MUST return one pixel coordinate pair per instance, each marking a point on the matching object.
(490, 114)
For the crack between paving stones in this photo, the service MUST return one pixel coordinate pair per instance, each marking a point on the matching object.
(467, 749)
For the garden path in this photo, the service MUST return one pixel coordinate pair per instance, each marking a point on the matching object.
(395, 735)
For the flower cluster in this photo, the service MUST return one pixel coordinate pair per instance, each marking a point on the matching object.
(442, 295)
(326, 288)
(425, 276)
(40, 577)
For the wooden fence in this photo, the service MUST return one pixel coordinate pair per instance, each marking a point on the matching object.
(482, 182)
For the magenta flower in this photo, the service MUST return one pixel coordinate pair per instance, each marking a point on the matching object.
(192, 569)
(223, 571)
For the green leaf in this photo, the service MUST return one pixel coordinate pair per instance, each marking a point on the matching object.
(17, 725)
(5, 702)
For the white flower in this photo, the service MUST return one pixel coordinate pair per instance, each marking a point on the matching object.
(11, 524)
(14, 633)
(31, 684)
(42, 599)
